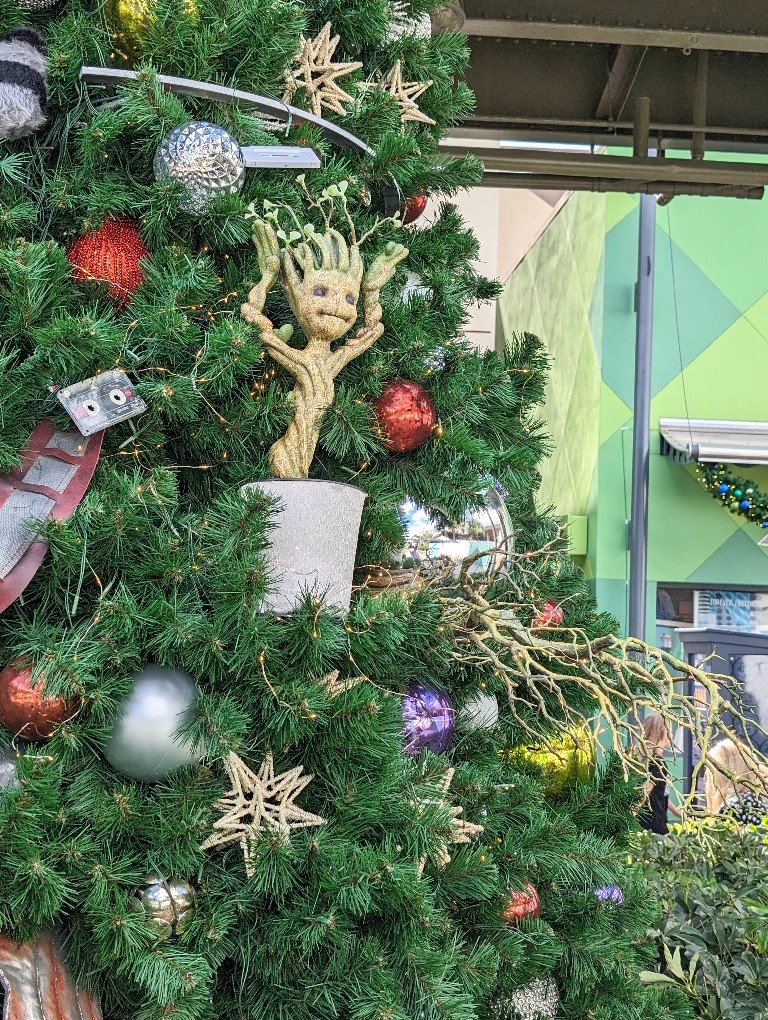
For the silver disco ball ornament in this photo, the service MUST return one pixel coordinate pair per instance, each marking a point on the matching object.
(539, 1000)
(434, 551)
(406, 23)
(37, 5)
(145, 744)
(205, 158)
(168, 905)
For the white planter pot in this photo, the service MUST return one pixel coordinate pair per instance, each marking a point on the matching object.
(314, 540)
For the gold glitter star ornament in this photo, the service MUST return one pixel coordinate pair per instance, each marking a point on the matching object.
(406, 93)
(259, 801)
(318, 75)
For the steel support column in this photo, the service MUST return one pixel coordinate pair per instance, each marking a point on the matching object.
(641, 435)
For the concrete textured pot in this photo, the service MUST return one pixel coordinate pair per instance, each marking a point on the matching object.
(314, 540)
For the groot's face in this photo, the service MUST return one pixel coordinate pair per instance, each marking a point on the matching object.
(325, 304)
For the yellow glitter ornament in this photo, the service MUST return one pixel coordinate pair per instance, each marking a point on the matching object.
(130, 21)
(566, 760)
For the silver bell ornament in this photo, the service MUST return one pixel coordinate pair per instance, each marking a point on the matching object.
(479, 713)
(205, 158)
(145, 744)
(168, 905)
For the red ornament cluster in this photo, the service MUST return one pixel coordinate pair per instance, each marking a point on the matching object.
(25, 710)
(413, 207)
(522, 903)
(406, 415)
(110, 255)
(550, 616)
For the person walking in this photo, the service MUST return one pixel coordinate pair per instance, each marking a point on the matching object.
(736, 784)
(654, 815)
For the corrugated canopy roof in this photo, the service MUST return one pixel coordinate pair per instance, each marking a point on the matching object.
(706, 439)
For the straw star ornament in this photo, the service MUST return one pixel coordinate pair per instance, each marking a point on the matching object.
(406, 93)
(258, 801)
(461, 831)
(318, 75)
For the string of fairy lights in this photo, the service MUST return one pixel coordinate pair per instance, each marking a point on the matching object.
(739, 495)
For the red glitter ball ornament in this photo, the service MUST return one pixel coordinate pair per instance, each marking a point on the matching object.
(522, 903)
(406, 414)
(110, 254)
(413, 207)
(550, 616)
(25, 710)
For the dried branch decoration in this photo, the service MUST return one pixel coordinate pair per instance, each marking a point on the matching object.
(323, 277)
(543, 667)
(318, 75)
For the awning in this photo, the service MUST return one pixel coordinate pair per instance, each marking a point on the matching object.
(704, 439)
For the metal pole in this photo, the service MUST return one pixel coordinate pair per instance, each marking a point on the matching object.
(641, 436)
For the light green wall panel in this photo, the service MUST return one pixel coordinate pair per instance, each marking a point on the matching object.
(712, 293)
(728, 241)
(556, 292)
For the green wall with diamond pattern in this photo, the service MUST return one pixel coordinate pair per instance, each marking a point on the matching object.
(575, 289)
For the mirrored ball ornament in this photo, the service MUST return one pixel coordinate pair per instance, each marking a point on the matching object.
(37, 5)
(205, 158)
(481, 712)
(145, 744)
(428, 718)
(435, 551)
(168, 905)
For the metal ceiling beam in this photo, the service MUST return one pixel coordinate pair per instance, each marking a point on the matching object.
(542, 182)
(618, 35)
(620, 167)
(621, 78)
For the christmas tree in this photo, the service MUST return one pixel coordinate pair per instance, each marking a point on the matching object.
(230, 790)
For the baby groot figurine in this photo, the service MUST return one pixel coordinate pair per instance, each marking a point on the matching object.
(323, 281)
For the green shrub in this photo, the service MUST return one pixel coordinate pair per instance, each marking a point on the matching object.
(712, 880)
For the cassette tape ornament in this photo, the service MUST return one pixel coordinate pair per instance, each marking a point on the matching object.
(106, 399)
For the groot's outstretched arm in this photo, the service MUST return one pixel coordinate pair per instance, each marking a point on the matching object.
(268, 253)
(380, 272)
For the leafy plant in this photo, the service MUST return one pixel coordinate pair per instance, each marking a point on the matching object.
(712, 880)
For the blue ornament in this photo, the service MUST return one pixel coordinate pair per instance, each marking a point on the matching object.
(427, 718)
(764, 524)
(745, 504)
(610, 894)
(723, 487)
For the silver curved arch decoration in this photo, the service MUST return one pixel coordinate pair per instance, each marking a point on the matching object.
(393, 198)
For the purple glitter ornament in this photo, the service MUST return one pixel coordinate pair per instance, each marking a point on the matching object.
(610, 894)
(427, 718)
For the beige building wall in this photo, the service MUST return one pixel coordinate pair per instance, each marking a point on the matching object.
(507, 222)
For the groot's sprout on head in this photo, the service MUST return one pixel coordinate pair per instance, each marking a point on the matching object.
(322, 277)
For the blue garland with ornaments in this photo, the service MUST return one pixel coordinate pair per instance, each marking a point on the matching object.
(740, 495)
